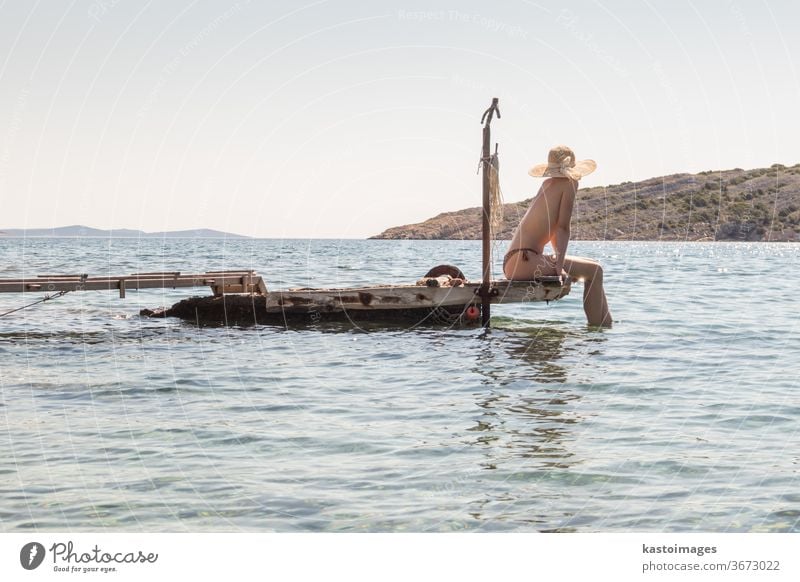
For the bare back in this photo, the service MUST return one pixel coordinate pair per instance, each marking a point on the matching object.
(550, 209)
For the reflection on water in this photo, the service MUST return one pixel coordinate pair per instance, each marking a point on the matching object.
(540, 349)
(529, 415)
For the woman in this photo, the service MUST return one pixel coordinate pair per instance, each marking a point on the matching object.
(547, 221)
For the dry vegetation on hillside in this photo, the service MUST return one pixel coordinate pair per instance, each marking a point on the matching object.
(747, 205)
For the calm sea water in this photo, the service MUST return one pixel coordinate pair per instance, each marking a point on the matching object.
(682, 417)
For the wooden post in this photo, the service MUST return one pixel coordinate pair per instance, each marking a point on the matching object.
(485, 289)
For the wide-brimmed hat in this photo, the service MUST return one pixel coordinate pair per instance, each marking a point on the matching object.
(561, 164)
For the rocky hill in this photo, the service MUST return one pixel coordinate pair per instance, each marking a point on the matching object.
(745, 205)
(81, 231)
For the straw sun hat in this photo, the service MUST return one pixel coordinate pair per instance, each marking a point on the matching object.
(561, 164)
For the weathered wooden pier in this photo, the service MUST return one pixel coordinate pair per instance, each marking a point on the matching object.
(442, 296)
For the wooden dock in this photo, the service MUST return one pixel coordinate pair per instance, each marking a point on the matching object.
(435, 301)
(220, 282)
(242, 298)
(443, 295)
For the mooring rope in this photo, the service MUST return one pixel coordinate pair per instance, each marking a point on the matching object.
(495, 199)
(495, 194)
(496, 223)
(46, 298)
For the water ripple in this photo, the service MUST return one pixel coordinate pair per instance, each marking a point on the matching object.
(681, 418)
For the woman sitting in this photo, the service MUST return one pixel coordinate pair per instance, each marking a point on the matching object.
(547, 221)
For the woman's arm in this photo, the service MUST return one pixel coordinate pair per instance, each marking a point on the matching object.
(562, 227)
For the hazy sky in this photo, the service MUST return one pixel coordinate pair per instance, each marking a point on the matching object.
(342, 118)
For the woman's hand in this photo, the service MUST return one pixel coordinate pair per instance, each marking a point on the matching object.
(558, 267)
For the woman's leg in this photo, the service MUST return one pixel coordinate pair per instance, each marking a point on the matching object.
(594, 296)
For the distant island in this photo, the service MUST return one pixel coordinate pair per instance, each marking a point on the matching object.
(729, 205)
(88, 232)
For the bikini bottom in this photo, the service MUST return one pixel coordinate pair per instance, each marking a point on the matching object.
(524, 252)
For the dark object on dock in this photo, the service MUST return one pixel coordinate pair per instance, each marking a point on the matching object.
(450, 270)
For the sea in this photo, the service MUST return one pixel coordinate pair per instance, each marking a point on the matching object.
(683, 417)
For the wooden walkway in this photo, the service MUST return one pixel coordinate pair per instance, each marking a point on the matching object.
(241, 297)
(221, 282)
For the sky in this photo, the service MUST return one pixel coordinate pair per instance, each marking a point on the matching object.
(339, 119)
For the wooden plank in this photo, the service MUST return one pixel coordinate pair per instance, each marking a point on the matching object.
(192, 275)
(222, 282)
(172, 273)
(150, 276)
(387, 297)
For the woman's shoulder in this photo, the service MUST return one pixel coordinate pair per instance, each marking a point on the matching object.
(559, 184)
(559, 180)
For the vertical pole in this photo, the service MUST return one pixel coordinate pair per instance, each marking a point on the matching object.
(485, 289)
